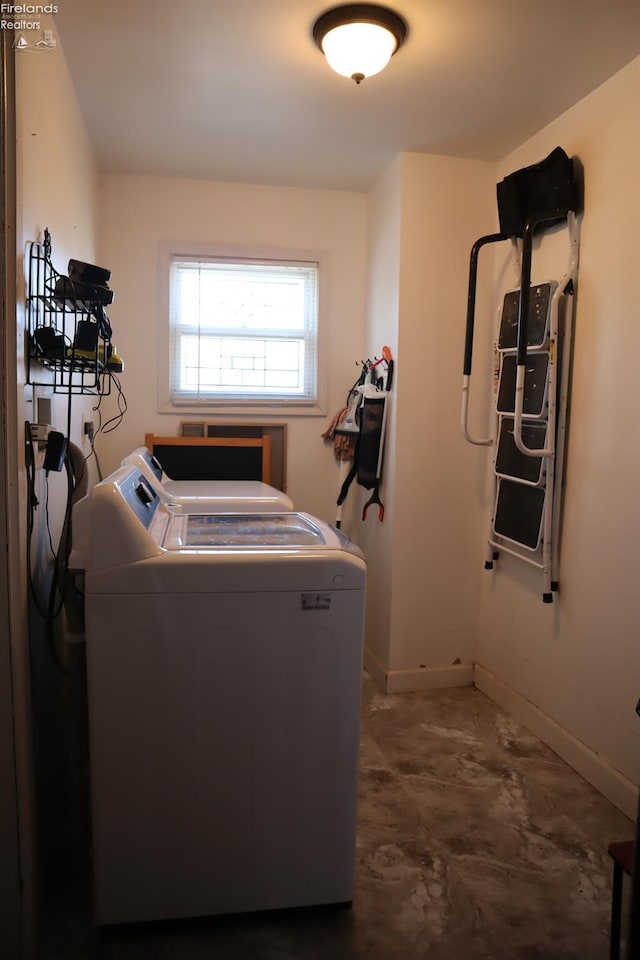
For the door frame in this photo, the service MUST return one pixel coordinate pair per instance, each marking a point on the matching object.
(17, 864)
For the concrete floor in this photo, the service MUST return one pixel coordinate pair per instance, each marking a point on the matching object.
(474, 841)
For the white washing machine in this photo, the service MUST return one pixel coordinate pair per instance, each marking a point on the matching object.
(224, 658)
(214, 496)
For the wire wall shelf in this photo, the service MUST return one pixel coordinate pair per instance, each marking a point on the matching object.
(68, 331)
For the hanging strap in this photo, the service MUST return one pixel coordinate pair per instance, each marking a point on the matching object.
(344, 489)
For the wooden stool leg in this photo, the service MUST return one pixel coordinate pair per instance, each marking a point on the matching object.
(616, 910)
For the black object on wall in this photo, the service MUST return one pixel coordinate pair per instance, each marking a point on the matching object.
(549, 186)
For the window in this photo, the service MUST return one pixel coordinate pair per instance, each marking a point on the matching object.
(242, 330)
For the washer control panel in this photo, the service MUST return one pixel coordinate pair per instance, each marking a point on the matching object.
(136, 490)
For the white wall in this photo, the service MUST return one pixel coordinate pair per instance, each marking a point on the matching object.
(577, 660)
(136, 213)
(383, 284)
(57, 183)
(570, 669)
(447, 205)
(56, 189)
(426, 560)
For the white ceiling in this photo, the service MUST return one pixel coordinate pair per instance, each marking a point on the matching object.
(236, 90)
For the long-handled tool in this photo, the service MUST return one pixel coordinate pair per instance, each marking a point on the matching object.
(375, 495)
(348, 428)
(345, 470)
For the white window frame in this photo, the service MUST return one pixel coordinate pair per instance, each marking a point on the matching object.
(254, 406)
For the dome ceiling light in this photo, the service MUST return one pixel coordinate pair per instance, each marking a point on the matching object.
(359, 39)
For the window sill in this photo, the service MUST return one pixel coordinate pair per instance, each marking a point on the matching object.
(249, 408)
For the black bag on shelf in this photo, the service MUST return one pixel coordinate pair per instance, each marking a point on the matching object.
(80, 292)
(546, 187)
(48, 344)
(82, 272)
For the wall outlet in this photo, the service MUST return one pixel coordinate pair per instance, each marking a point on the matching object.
(40, 434)
(44, 413)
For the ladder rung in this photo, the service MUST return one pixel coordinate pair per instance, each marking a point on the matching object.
(519, 512)
(538, 322)
(501, 547)
(511, 462)
(535, 384)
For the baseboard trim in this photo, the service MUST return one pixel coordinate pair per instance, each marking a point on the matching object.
(417, 678)
(608, 781)
(430, 678)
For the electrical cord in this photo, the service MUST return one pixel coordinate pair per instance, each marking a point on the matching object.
(113, 422)
(46, 516)
(52, 294)
(98, 467)
(60, 585)
(104, 326)
(94, 453)
(32, 506)
(59, 580)
(50, 613)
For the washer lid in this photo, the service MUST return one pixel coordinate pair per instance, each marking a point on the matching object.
(243, 530)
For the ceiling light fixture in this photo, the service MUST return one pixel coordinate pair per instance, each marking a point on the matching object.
(359, 39)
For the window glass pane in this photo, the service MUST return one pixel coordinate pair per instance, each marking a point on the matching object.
(188, 297)
(283, 356)
(249, 329)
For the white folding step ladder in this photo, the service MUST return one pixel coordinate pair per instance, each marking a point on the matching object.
(533, 351)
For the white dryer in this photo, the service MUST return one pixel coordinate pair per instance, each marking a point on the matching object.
(224, 658)
(214, 496)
